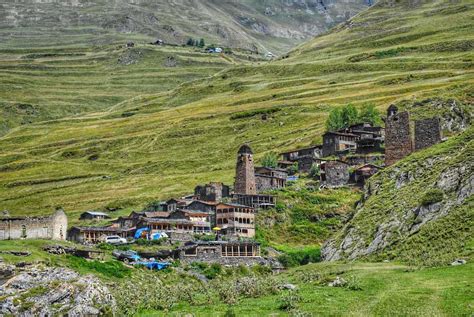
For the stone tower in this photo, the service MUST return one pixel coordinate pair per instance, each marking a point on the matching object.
(427, 133)
(398, 143)
(244, 172)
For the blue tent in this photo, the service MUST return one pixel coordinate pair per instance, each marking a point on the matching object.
(138, 233)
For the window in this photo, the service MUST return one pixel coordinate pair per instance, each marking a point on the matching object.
(23, 231)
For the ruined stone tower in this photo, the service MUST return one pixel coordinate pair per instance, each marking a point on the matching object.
(244, 172)
(427, 133)
(398, 143)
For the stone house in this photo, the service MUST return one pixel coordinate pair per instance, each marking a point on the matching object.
(334, 174)
(335, 143)
(268, 178)
(94, 215)
(223, 252)
(236, 220)
(97, 234)
(214, 191)
(312, 151)
(363, 173)
(52, 227)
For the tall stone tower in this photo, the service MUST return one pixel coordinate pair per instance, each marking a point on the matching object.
(244, 172)
(398, 143)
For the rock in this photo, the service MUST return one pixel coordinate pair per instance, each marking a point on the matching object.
(59, 249)
(289, 286)
(338, 282)
(65, 292)
(459, 262)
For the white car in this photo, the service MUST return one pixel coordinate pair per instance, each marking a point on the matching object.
(115, 240)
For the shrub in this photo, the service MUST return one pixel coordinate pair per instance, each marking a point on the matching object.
(432, 196)
(270, 160)
(300, 257)
(293, 169)
(289, 301)
(314, 171)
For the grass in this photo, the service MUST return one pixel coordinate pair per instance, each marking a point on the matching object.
(183, 137)
(382, 289)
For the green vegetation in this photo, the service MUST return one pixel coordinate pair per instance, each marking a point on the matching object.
(270, 159)
(179, 138)
(396, 211)
(432, 196)
(370, 289)
(344, 117)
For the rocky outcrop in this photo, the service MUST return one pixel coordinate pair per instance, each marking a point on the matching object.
(48, 291)
(403, 202)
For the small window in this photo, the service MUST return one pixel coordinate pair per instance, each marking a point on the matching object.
(23, 231)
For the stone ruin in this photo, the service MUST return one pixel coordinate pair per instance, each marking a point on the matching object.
(427, 133)
(398, 136)
(398, 143)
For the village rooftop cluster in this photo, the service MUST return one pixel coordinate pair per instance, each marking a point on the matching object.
(347, 156)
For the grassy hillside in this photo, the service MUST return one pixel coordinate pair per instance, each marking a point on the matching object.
(420, 210)
(271, 25)
(177, 139)
(38, 84)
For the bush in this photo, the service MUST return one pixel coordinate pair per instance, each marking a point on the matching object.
(300, 257)
(289, 301)
(270, 160)
(150, 242)
(293, 169)
(314, 171)
(432, 196)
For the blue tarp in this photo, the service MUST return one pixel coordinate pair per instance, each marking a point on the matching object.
(154, 265)
(138, 233)
(156, 236)
(292, 178)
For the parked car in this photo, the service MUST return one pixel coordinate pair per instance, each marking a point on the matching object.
(115, 240)
(126, 256)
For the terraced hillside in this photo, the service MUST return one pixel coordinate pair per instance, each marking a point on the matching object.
(38, 84)
(169, 142)
(271, 25)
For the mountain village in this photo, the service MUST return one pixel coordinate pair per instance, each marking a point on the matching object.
(225, 216)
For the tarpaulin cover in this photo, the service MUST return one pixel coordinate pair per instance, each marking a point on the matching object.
(139, 232)
(154, 265)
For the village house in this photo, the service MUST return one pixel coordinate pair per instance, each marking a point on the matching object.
(223, 252)
(335, 143)
(236, 220)
(267, 178)
(94, 215)
(52, 227)
(214, 191)
(91, 235)
(334, 174)
(305, 158)
(258, 202)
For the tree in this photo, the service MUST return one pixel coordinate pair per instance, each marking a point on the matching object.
(334, 121)
(190, 42)
(369, 114)
(349, 115)
(202, 43)
(270, 160)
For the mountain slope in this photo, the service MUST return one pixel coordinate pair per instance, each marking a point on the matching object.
(274, 25)
(420, 210)
(174, 140)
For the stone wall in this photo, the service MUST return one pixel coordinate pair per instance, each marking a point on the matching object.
(49, 227)
(398, 143)
(263, 183)
(336, 173)
(427, 133)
